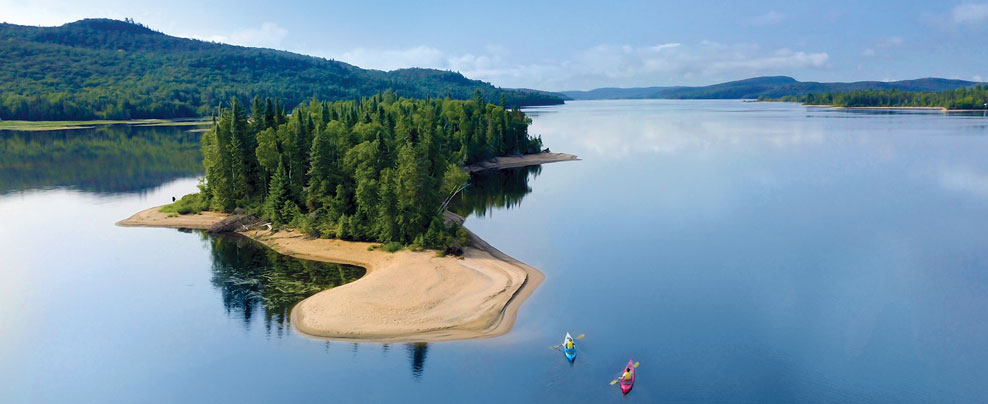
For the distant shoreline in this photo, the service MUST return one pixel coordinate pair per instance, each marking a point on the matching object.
(405, 296)
(941, 109)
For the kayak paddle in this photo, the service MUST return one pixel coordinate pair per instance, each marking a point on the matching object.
(613, 382)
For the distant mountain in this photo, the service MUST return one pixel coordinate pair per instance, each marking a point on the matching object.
(770, 86)
(102, 68)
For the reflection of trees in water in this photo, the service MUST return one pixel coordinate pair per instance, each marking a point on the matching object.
(416, 353)
(253, 277)
(104, 159)
(494, 189)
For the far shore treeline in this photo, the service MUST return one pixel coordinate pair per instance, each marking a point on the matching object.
(109, 69)
(378, 169)
(959, 99)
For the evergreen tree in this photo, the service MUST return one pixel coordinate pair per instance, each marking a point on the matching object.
(277, 196)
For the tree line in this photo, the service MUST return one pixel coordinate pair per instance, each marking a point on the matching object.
(961, 98)
(376, 169)
(108, 69)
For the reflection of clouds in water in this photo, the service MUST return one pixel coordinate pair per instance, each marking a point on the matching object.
(617, 135)
(964, 179)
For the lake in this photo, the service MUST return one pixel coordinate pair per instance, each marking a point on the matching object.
(742, 252)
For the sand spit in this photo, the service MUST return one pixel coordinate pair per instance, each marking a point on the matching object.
(155, 218)
(406, 296)
(520, 161)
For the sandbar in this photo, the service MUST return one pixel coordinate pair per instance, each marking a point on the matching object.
(405, 296)
(523, 160)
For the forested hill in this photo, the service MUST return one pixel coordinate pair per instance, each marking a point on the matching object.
(765, 87)
(110, 69)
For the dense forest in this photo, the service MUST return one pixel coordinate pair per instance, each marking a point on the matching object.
(961, 98)
(110, 69)
(381, 168)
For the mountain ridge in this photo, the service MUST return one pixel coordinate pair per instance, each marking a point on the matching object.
(764, 86)
(112, 69)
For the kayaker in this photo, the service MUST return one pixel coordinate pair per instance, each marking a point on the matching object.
(627, 375)
(569, 344)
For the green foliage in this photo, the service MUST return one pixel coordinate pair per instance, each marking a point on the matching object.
(377, 169)
(275, 201)
(191, 203)
(391, 246)
(962, 98)
(107, 69)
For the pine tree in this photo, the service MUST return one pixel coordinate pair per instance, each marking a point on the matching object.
(322, 175)
(238, 152)
(277, 195)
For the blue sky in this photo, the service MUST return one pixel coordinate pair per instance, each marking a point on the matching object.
(567, 45)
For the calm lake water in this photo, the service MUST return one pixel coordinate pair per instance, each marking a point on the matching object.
(742, 252)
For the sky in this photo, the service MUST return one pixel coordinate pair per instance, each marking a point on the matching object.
(581, 45)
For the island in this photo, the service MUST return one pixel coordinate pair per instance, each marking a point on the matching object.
(366, 183)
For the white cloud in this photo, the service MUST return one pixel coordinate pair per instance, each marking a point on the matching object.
(601, 65)
(970, 13)
(881, 46)
(704, 60)
(419, 56)
(269, 35)
(890, 42)
(770, 18)
(783, 59)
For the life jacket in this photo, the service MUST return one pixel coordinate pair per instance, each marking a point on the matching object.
(569, 344)
(627, 375)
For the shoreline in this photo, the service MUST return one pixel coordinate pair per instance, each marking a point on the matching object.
(405, 296)
(500, 163)
(941, 109)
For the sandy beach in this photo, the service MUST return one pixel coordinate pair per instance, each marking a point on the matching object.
(154, 218)
(405, 296)
(521, 161)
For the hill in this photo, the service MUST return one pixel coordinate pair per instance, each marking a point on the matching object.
(765, 87)
(110, 69)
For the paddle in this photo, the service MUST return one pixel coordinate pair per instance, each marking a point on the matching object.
(577, 337)
(613, 382)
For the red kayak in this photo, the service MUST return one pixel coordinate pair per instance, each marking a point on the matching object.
(626, 385)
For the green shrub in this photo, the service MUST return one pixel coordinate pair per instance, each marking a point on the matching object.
(191, 203)
(391, 246)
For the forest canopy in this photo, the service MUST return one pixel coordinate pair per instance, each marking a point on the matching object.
(110, 69)
(961, 98)
(379, 169)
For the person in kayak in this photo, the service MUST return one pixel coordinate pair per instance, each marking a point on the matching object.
(569, 344)
(626, 377)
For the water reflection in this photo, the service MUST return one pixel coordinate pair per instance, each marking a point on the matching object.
(494, 189)
(103, 159)
(254, 278)
(417, 353)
